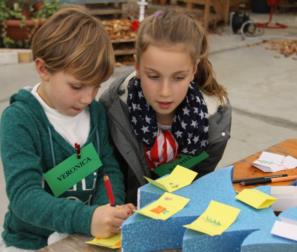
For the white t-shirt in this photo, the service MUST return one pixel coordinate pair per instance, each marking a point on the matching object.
(74, 129)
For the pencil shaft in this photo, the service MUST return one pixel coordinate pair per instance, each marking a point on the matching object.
(258, 178)
(284, 179)
(255, 182)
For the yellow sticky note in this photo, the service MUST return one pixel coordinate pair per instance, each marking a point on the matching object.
(166, 206)
(178, 178)
(215, 219)
(255, 198)
(113, 242)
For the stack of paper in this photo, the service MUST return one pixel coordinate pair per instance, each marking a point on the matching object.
(286, 197)
(215, 219)
(271, 162)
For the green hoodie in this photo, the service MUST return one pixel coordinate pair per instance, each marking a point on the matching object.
(27, 138)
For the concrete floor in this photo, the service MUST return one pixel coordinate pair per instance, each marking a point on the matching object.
(261, 85)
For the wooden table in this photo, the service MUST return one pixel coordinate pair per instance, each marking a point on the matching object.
(244, 168)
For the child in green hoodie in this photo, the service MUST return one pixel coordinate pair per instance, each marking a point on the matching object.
(54, 139)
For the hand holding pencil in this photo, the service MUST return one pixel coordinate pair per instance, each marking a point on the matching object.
(107, 219)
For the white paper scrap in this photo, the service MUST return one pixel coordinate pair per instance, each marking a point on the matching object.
(271, 162)
(285, 230)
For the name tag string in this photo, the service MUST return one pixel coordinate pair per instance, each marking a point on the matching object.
(77, 149)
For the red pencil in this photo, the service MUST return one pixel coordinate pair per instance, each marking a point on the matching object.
(108, 189)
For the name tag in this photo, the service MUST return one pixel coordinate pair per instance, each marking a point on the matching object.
(187, 161)
(72, 170)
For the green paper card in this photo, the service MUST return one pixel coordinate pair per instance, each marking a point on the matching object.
(187, 161)
(72, 170)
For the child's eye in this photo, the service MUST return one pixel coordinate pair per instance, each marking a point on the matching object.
(153, 77)
(76, 87)
(179, 78)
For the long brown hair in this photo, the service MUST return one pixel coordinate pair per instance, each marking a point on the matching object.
(170, 27)
(75, 42)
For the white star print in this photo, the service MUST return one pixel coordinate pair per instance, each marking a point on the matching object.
(184, 125)
(205, 129)
(134, 120)
(147, 119)
(186, 111)
(203, 143)
(178, 134)
(194, 124)
(134, 106)
(196, 139)
(184, 150)
(140, 94)
(196, 110)
(201, 114)
(145, 129)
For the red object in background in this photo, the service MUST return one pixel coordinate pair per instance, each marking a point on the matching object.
(108, 188)
(135, 25)
(272, 4)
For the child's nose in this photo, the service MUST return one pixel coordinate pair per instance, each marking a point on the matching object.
(88, 96)
(165, 88)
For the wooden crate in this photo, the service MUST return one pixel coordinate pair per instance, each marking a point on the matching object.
(209, 11)
(122, 38)
(124, 51)
(106, 9)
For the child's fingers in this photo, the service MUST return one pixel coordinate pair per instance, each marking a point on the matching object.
(122, 213)
(131, 207)
(128, 209)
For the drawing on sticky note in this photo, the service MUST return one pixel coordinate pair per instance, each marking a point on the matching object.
(159, 209)
(168, 198)
(173, 185)
(212, 221)
(163, 208)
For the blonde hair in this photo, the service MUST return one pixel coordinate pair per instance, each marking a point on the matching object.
(75, 42)
(171, 27)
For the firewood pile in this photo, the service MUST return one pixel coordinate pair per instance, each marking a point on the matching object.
(119, 29)
(285, 47)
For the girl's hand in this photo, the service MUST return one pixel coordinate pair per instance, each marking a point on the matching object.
(107, 220)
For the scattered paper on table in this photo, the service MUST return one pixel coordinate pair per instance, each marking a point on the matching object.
(271, 162)
(256, 198)
(113, 242)
(166, 206)
(284, 229)
(215, 219)
(178, 178)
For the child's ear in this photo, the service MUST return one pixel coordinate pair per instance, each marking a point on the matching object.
(41, 69)
(196, 66)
